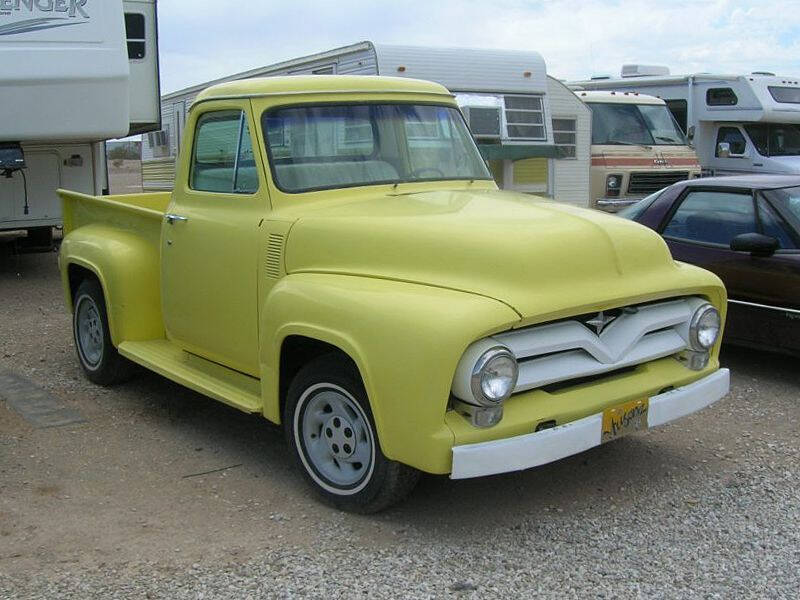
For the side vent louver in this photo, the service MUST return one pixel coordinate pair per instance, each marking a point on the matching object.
(274, 255)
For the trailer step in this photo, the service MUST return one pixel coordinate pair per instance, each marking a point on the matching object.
(204, 376)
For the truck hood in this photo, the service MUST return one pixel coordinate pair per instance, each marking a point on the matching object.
(538, 257)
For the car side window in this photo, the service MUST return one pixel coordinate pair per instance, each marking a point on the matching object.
(734, 137)
(774, 226)
(222, 155)
(712, 217)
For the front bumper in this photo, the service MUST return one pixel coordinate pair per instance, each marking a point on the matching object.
(534, 449)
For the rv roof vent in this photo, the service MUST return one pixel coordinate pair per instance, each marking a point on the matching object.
(766, 73)
(643, 70)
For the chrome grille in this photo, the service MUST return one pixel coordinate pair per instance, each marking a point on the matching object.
(586, 346)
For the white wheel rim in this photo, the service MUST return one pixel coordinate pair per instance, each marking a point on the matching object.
(334, 439)
(89, 332)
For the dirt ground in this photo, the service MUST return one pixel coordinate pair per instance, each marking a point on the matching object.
(125, 176)
(124, 488)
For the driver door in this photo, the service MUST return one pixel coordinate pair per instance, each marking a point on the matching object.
(211, 239)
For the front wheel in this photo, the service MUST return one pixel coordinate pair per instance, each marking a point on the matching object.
(99, 359)
(329, 427)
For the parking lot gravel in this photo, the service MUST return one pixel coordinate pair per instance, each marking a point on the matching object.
(162, 493)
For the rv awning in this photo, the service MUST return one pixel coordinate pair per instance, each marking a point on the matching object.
(517, 151)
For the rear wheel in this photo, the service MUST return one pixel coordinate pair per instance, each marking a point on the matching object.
(329, 427)
(99, 359)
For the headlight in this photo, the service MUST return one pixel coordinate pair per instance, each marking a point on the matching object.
(494, 376)
(613, 185)
(704, 327)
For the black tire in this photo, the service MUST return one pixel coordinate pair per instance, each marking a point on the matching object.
(385, 482)
(104, 366)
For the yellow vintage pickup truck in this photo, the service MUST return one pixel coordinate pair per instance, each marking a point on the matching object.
(336, 258)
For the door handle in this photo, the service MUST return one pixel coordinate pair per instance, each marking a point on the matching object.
(171, 218)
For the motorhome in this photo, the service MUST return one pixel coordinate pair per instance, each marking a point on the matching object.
(74, 75)
(637, 148)
(737, 123)
(534, 133)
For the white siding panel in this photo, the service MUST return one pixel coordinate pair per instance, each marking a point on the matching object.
(466, 69)
(571, 176)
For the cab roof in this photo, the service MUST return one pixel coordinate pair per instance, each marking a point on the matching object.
(321, 84)
(616, 97)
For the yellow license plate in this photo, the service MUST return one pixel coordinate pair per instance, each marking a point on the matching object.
(624, 418)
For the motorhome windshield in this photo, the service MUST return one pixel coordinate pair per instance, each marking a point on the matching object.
(634, 124)
(775, 139)
(331, 146)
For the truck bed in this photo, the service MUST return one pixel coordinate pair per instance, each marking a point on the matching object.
(125, 210)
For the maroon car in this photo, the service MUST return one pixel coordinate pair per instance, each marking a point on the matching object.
(746, 229)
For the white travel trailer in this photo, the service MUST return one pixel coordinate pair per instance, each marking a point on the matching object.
(75, 73)
(533, 131)
(737, 123)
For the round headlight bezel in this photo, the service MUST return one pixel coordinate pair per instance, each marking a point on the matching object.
(484, 361)
(696, 324)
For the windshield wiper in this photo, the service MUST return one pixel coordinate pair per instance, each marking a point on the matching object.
(667, 139)
(626, 143)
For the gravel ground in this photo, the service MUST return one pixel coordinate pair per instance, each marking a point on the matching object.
(708, 507)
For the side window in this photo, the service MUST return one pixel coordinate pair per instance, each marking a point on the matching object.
(721, 97)
(712, 217)
(679, 109)
(564, 136)
(222, 156)
(773, 225)
(734, 137)
(134, 32)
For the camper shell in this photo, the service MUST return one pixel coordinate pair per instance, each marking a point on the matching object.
(532, 130)
(71, 79)
(737, 123)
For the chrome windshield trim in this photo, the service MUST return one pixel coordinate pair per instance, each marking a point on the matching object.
(792, 311)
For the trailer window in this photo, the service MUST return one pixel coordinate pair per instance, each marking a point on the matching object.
(785, 95)
(134, 32)
(222, 156)
(564, 136)
(721, 97)
(525, 117)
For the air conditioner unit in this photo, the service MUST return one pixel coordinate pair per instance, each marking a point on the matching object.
(643, 70)
(484, 121)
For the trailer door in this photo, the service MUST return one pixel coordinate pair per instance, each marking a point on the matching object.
(142, 40)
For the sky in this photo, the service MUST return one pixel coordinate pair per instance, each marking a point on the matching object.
(201, 40)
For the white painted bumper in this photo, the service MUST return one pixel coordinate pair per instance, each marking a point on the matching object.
(534, 449)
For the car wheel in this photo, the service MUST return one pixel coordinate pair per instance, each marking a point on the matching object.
(329, 426)
(99, 359)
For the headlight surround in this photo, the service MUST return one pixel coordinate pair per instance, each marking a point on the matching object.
(704, 328)
(494, 376)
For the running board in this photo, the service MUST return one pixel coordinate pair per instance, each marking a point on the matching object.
(209, 378)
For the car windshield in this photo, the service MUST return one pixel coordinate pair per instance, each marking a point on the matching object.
(790, 198)
(634, 124)
(633, 211)
(335, 146)
(775, 139)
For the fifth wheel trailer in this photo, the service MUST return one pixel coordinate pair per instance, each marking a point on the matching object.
(534, 132)
(75, 73)
(737, 123)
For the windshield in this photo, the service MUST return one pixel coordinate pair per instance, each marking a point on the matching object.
(634, 124)
(332, 146)
(790, 198)
(775, 139)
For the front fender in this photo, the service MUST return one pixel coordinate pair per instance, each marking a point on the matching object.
(127, 266)
(405, 339)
